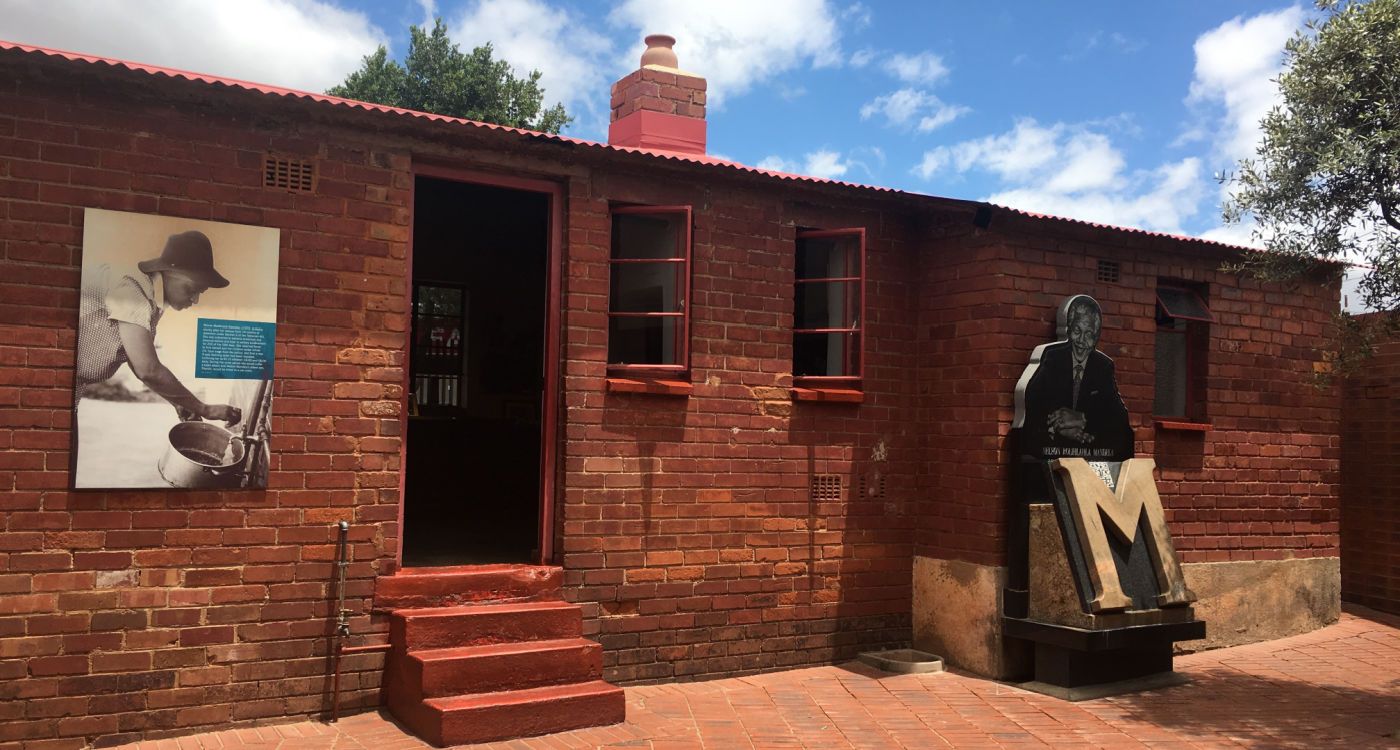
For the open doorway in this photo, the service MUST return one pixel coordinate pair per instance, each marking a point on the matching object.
(473, 474)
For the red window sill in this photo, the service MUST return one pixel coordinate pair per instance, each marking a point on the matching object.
(829, 395)
(649, 386)
(1182, 426)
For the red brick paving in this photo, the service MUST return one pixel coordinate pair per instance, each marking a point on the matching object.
(1338, 687)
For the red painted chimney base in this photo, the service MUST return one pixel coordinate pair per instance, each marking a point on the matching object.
(658, 130)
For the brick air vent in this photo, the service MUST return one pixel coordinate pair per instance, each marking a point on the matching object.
(288, 174)
(826, 488)
(1108, 271)
(872, 487)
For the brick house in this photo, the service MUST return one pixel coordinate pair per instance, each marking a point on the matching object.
(743, 420)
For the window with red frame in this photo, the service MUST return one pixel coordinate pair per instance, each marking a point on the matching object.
(829, 308)
(1183, 340)
(649, 289)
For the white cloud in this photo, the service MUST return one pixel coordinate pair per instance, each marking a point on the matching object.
(1116, 41)
(790, 93)
(574, 61)
(430, 12)
(898, 107)
(1089, 162)
(776, 163)
(1074, 171)
(924, 68)
(823, 163)
(857, 15)
(934, 162)
(942, 115)
(826, 164)
(862, 57)
(1233, 234)
(300, 44)
(1160, 200)
(737, 44)
(1014, 155)
(1127, 44)
(907, 106)
(1236, 64)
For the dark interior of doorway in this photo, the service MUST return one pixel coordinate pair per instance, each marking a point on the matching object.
(476, 374)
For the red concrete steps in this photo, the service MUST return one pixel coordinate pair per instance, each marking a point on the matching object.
(506, 666)
(482, 624)
(447, 587)
(488, 653)
(524, 713)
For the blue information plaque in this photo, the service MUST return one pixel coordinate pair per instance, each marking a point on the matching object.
(236, 349)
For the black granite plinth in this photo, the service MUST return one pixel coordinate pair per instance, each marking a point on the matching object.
(1068, 657)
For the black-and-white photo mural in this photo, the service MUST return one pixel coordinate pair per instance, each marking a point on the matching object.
(177, 321)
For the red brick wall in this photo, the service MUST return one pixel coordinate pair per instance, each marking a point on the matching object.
(965, 309)
(1371, 483)
(1262, 485)
(126, 613)
(688, 526)
(138, 613)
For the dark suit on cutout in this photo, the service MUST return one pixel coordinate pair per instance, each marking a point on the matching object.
(1052, 388)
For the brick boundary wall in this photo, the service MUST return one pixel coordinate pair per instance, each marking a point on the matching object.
(1371, 483)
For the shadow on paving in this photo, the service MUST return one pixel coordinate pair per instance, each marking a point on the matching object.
(1262, 711)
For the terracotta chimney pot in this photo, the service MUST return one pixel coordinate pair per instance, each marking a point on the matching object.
(659, 52)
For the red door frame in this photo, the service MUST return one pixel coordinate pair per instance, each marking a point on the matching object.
(549, 417)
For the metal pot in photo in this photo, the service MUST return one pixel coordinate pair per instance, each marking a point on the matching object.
(202, 455)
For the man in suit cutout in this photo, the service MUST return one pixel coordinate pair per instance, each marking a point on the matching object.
(1072, 400)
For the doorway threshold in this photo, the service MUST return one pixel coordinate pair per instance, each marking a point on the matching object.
(454, 585)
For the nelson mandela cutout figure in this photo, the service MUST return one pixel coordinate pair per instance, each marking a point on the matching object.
(1067, 401)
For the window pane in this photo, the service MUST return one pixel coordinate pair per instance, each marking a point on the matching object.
(437, 390)
(1182, 303)
(1170, 399)
(828, 257)
(647, 236)
(646, 287)
(826, 354)
(644, 341)
(439, 300)
(826, 304)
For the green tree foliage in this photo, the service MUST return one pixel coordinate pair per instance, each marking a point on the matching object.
(438, 77)
(1325, 183)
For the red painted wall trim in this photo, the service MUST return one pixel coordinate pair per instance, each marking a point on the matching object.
(1183, 425)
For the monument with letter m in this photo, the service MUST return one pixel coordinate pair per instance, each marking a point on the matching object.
(1094, 585)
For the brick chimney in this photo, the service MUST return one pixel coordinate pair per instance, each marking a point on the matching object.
(659, 106)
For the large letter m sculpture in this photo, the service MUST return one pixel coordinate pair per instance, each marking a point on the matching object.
(1091, 502)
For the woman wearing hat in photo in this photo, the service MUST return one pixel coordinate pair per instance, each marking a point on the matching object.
(120, 309)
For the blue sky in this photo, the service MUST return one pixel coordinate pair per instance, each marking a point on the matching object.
(1108, 111)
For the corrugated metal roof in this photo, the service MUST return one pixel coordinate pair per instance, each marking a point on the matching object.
(263, 88)
(700, 159)
(1132, 230)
